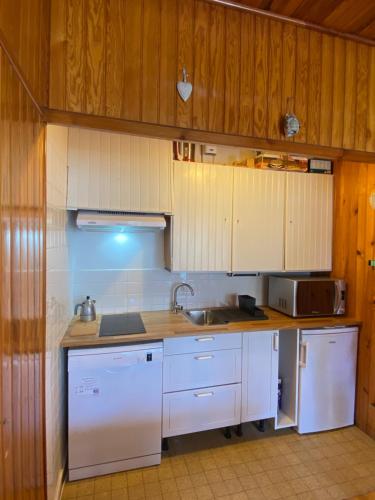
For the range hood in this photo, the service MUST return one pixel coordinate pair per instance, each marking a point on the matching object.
(119, 222)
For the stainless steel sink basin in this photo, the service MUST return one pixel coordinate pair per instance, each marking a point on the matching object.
(204, 317)
(222, 315)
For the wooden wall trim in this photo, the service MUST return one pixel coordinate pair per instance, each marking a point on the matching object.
(20, 75)
(69, 118)
(292, 20)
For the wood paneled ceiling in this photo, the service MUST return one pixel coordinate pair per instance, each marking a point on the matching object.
(356, 17)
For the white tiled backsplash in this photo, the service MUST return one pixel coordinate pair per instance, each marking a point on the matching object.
(125, 273)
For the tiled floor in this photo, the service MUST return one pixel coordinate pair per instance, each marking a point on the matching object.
(338, 464)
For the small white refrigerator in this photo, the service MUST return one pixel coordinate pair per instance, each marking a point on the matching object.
(327, 377)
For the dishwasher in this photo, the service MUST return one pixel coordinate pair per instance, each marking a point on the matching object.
(114, 408)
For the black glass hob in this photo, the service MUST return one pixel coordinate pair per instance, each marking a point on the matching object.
(121, 324)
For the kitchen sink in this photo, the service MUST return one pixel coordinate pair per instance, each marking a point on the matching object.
(204, 317)
(222, 315)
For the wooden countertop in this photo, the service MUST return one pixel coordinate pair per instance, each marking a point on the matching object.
(165, 324)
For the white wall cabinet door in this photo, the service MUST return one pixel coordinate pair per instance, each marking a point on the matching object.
(308, 232)
(258, 220)
(202, 222)
(109, 171)
(259, 375)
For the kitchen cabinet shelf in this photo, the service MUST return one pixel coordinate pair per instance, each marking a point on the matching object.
(288, 365)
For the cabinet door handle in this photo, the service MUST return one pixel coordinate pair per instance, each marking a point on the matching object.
(204, 339)
(203, 394)
(200, 358)
(303, 355)
(276, 341)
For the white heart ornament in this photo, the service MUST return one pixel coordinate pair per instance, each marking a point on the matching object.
(184, 89)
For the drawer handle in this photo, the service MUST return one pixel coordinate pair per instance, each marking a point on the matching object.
(203, 394)
(201, 358)
(205, 339)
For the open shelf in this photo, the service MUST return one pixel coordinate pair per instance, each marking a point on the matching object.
(288, 372)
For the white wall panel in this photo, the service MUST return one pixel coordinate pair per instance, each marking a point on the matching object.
(202, 207)
(308, 234)
(258, 220)
(111, 171)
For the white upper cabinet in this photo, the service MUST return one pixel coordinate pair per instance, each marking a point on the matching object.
(109, 171)
(202, 221)
(258, 220)
(308, 232)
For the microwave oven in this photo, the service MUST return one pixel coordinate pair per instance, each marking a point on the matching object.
(306, 296)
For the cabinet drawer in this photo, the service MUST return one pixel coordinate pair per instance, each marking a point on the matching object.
(194, 370)
(202, 343)
(201, 409)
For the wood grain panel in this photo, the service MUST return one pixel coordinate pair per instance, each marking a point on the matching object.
(302, 79)
(338, 93)
(350, 95)
(58, 41)
(217, 70)
(132, 64)
(24, 28)
(261, 76)
(168, 62)
(353, 247)
(275, 85)
(151, 61)
(362, 97)
(75, 57)
(201, 66)
(326, 91)
(185, 57)
(247, 80)
(115, 67)
(314, 94)
(233, 60)
(22, 294)
(288, 72)
(370, 139)
(95, 19)
(232, 72)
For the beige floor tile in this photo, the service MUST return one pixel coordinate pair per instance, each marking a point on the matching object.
(184, 483)
(150, 476)
(204, 492)
(168, 485)
(102, 484)
(136, 492)
(233, 486)
(262, 480)
(120, 494)
(255, 494)
(271, 492)
(103, 495)
(134, 478)
(189, 494)
(199, 479)
(69, 491)
(213, 476)
(152, 490)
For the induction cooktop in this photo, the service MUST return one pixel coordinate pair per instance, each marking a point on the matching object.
(121, 324)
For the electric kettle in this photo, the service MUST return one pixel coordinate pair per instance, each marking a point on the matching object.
(88, 312)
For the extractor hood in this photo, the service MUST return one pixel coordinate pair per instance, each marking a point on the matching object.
(119, 222)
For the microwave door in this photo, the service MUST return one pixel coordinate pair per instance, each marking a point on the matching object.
(316, 298)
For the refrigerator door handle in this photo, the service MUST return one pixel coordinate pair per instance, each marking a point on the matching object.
(303, 354)
(276, 341)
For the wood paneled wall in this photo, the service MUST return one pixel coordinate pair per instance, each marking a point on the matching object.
(354, 246)
(22, 291)
(122, 59)
(24, 29)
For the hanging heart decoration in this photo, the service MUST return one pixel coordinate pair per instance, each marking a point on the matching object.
(184, 87)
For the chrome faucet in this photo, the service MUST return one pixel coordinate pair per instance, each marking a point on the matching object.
(175, 306)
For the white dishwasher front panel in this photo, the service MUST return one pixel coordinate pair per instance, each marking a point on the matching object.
(114, 404)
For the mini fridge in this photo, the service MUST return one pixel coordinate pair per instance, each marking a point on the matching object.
(327, 376)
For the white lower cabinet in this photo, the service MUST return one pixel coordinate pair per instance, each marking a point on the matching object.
(201, 383)
(234, 381)
(201, 369)
(201, 409)
(259, 375)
